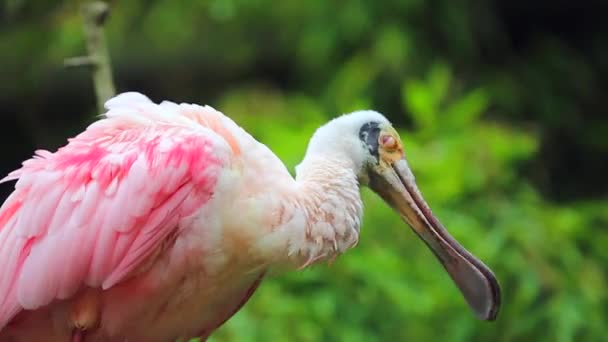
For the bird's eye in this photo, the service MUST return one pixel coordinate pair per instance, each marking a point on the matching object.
(388, 142)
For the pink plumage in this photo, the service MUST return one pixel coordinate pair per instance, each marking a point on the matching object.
(92, 212)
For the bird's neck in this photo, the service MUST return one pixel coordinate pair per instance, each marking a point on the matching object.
(322, 217)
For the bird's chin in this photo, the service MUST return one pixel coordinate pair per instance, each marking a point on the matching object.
(396, 185)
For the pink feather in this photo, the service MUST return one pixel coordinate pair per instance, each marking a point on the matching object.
(92, 212)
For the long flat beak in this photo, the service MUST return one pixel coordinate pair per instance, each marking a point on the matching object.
(475, 280)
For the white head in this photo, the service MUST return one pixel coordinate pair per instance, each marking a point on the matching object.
(349, 136)
(374, 150)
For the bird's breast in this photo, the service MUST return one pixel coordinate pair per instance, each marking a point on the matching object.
(189, 292)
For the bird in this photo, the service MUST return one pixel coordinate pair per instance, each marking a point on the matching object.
(160, 220)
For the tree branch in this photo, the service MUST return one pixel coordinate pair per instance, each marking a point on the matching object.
(94, 14)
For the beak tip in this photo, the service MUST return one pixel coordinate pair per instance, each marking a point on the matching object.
(491, 315)
(489, 311)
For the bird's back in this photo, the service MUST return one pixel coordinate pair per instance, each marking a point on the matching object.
(119, 234)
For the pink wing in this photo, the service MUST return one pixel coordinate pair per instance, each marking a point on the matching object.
(91, 212)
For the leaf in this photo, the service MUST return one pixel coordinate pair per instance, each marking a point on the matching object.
(439, 81)
(467, 109)
(419, 102)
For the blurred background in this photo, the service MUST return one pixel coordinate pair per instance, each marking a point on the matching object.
(501, 106)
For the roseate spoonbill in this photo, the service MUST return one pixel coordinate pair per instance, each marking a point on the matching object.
(159, 221)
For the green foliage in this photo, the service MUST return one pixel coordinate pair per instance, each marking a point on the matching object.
(281, 69)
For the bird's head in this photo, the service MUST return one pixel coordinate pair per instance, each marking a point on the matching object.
(368, 139)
